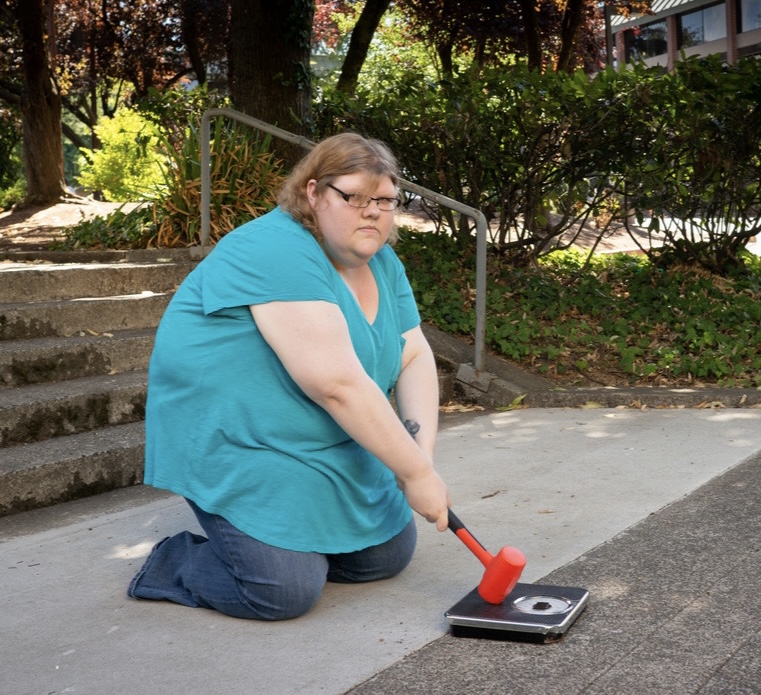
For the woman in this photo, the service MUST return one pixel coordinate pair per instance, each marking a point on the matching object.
(268, 400)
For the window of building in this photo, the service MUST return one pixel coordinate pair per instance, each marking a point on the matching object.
(750, 15)
(646, 41)
(703, 25)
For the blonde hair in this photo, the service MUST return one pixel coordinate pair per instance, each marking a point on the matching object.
(338, 155)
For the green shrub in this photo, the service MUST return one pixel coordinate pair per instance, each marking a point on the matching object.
(538, 153)
(698, 163)
(15, 194)
(244, 179)
(128, 165)
(442, 275)
(118, 230)
(244, 176)
(548, 157)
(11, 166)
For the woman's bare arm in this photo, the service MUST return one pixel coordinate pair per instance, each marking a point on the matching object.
(312, 341)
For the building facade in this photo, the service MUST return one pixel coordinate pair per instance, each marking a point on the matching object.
(730, 28)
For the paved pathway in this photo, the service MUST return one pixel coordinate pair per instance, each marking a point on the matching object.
(564, 485)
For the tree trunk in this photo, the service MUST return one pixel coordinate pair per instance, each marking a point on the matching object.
(270, 77)
(190, 17)
(40, 109)
(361, 37)
(531, 27)
(444, 52)
(573, 18)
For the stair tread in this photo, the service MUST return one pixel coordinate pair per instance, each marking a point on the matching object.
(71, 447)
(75, 340)
(28, 361)
(145, 294)
(41, 282)
(71, 388)
(11, 267)
(28, 320)
(19, 346)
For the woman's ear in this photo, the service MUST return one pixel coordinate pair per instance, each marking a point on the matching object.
(312, 194)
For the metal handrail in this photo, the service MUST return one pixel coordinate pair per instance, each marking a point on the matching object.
(477, 215)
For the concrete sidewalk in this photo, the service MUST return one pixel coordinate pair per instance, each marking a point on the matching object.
(607, 499)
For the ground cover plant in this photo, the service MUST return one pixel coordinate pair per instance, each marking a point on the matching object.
(613, 320)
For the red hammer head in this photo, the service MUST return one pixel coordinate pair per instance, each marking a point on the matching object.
(503, 570)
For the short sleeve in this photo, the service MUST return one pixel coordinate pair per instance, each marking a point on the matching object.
(271, 258)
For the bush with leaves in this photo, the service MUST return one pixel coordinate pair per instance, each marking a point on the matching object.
(535, 152)
(127, 167)
(13, 195)
(120, 229)
(11, 166)
(550, 156)
(245, 176)
(700, 167)
(12, 182)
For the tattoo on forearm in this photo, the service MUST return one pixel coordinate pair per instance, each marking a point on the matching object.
(412, 426)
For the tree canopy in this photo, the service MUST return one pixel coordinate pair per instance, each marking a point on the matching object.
(85, 58)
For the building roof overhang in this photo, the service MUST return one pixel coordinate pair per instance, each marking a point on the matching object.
(660, 10)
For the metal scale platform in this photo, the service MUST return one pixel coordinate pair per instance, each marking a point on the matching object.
(531, 612)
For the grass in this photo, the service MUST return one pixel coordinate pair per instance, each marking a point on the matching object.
(618, 322)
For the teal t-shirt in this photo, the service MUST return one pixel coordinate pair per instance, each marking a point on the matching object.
(228, 428)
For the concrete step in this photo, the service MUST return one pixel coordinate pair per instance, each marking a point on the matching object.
(76, 334)
(41, 360)
(44, 319)
(40, 474)
(27, 282)
(191, 254)
(42, 411)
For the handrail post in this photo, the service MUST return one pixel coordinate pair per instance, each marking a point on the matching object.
(481, 261)
(205, 181)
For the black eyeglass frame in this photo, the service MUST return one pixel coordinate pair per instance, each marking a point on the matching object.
(394, 202)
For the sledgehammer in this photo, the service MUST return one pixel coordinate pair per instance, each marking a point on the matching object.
(502, 570)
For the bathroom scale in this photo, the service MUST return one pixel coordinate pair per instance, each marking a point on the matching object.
(531, 612)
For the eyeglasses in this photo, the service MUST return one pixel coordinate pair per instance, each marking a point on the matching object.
(357, 200)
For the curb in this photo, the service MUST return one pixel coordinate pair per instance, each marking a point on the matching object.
(506, 386)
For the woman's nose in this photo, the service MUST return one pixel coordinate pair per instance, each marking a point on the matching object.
(372, 210)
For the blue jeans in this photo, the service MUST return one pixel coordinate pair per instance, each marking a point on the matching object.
(236, 574)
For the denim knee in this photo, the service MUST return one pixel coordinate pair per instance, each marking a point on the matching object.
(232, 573)
(376, 562)
(280, 601)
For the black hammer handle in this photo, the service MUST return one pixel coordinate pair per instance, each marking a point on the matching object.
(459, 529)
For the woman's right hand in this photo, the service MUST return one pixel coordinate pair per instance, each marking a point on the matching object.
(427, 494)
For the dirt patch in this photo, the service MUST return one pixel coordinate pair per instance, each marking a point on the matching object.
(36, 227)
